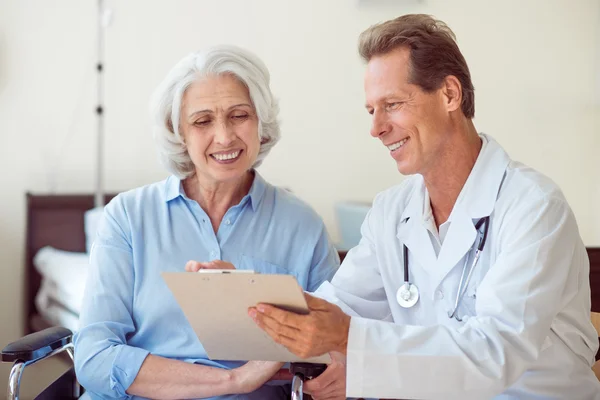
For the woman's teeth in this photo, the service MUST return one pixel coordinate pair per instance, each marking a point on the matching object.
(229, 156)
(397, 145)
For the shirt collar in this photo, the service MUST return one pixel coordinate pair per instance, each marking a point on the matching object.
(414, 207)
(257, 190)
(174, 189)
(479, 194)
(480, 191)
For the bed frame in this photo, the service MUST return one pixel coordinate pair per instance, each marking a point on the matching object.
(57, 220)
(52, 220)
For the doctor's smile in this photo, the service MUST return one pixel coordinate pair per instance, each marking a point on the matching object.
(397, 145)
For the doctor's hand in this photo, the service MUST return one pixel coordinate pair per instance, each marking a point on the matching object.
(252, 375)
(324, 329)
(195, 266)
(331, 384)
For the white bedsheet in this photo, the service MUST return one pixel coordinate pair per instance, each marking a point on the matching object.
(64, 275)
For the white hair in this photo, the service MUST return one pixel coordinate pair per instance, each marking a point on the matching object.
(166, 102)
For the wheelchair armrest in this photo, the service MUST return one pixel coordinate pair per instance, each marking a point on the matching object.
(307, 370)
(37, 345)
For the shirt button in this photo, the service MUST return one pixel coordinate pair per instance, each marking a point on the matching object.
(439, 294)
(228, 222)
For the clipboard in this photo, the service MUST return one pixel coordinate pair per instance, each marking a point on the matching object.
(216, 302)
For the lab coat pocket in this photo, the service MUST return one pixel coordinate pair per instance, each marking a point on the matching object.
(469, 303)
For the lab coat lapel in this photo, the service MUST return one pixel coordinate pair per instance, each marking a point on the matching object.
(412, 233)
(420, 250)
(480, 192)
(476, 200)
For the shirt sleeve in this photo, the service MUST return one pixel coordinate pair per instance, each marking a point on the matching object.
(325, 261)
(357, 287)
(105, 365)
(516, 303)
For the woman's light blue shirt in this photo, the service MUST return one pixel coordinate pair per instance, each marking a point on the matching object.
(129, 312)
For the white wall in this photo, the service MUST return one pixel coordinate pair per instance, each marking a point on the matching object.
(535, 65)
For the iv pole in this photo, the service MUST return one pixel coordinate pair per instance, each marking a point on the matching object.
(102, 22)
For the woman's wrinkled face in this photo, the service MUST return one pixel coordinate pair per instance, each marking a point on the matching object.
(220, 128)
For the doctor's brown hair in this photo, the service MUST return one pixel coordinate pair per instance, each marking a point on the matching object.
(434, 54)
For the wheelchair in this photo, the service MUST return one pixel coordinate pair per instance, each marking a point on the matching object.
(53, 341)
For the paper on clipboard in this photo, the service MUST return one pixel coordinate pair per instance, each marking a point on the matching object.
(216, 306)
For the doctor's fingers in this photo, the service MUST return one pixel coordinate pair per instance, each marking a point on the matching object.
(290, 343)
(273, 327)
(283, 317)
(292, 339)
(331, 381)
(316, 303)
(335, 391)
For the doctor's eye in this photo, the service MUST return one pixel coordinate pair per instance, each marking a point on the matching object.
(393, 106)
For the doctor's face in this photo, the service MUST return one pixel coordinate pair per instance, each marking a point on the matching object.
(410, 122)
(220, 127)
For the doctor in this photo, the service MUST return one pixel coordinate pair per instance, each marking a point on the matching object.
(471, 279)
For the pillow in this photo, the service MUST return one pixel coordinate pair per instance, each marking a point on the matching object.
(65, 269)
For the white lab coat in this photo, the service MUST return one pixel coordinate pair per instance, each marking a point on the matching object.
(526, 331)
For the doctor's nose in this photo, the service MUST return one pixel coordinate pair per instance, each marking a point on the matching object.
(379, 126)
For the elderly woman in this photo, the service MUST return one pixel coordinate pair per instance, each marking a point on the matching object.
(216, 122)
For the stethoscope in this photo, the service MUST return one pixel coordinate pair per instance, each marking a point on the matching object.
(408, 294)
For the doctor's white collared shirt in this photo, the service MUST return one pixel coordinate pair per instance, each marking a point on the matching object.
(525, 332)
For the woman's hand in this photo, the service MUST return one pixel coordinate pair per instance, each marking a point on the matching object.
(252, 375)
(195, 266)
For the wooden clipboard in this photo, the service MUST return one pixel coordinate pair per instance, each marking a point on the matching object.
(216, 305)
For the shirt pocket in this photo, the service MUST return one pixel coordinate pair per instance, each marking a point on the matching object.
(264, 267)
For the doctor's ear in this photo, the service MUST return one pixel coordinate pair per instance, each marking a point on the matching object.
(452, 92)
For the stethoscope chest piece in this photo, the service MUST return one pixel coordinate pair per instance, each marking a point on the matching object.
(407, 295)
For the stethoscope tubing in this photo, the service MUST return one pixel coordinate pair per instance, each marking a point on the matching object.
(463, 284)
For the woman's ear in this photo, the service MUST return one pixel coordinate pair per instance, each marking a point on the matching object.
(452, 90)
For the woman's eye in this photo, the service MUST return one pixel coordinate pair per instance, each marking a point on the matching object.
(202, 122)
(240, 117)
